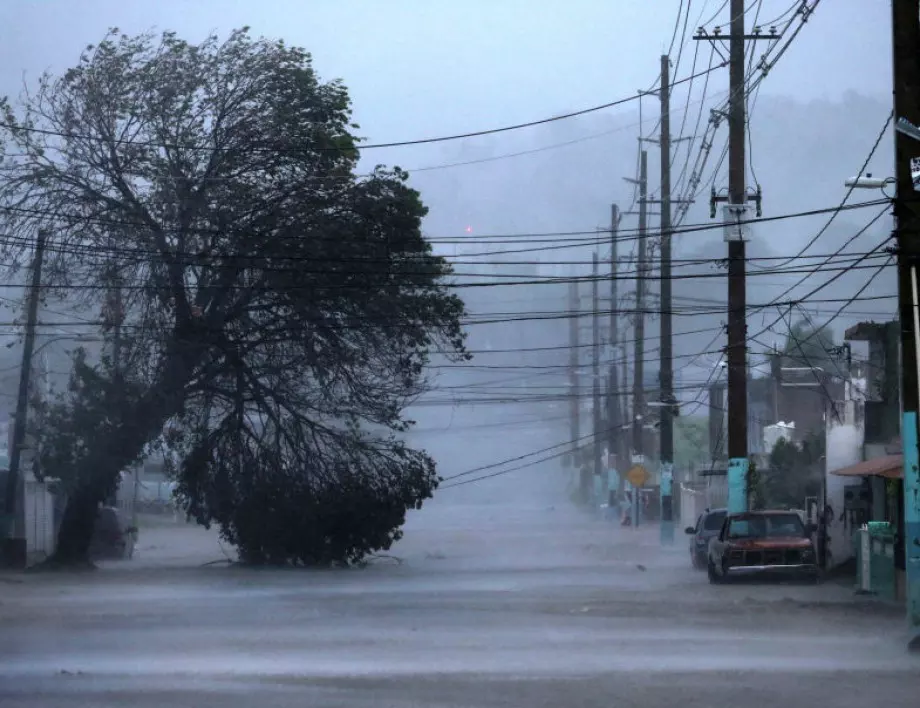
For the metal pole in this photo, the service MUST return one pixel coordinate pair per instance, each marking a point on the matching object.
(737, 295)
(14, 537)
(666, 373)
(906, 43)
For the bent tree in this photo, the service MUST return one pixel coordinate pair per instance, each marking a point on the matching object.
(278, 307)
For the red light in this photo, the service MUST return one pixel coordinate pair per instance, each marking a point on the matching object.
(469, 229)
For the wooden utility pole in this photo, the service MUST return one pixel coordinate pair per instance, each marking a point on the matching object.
(638, 412)
(114, 318)
(638, 399)
(14, 536)
(596, 370)
(735, 216)
(737, 286)
(666, 372)
(116, 335)
(614, 421)
(906, 43)
(574, 406)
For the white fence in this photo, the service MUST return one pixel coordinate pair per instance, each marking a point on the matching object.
(39, 521)
(717, 492)
(692, 504)
(697, 497)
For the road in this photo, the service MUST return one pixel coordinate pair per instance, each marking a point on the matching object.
(477, 606)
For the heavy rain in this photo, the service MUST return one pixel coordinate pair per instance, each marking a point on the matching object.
(432, 354)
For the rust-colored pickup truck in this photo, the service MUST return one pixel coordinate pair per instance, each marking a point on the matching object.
(762, 542)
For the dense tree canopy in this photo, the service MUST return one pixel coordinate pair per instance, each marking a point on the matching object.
(278, 308)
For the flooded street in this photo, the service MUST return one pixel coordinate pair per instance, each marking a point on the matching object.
(477, 606)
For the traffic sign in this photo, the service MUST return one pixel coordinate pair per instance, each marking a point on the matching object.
(637, 476)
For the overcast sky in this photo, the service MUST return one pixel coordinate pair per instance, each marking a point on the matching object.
(424, 67)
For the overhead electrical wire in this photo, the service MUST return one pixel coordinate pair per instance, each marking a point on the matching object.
(716, 120)
(357, 146)
(569, 239)
(593, 435)
(757, 85)
(751, 100)
(840, 250)
(846, 197)
(376, 283)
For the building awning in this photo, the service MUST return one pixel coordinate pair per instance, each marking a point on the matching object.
(889, 466)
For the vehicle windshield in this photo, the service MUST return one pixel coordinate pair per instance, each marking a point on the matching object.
(766, 526)
(714, 521)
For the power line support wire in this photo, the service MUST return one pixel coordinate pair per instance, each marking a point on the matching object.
(14, 537)
(906, 43)
(666, 371)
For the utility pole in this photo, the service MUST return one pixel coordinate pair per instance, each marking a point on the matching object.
(574, 361)
(639, 341)
(638, 398)
(735, 217)
(114, 317)
(14, 537)
(737, 287)
(116, 337)
(906, 43)
(638, 416)
(596, 372)
(614, 421)
(666, 372)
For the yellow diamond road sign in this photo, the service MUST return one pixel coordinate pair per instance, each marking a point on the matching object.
(637, 476)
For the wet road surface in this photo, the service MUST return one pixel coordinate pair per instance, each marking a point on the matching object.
(531, 606)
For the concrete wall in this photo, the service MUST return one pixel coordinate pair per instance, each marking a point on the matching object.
(845, 437)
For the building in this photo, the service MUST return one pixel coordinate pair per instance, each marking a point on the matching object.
(864, 464)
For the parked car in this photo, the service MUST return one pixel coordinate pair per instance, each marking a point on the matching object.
(707, 527)
(113, 536)
(762, 542)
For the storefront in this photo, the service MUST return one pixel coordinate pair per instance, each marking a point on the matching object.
(875, 492)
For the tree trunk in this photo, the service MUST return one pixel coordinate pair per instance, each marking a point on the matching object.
(116, 448)
(76, 532)
(98, 476)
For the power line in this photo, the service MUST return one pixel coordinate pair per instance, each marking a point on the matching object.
(817, 289)
(389, 283)
(358, 147)
(507, 471)
(859, 233)
(846, 197)
(573, 238)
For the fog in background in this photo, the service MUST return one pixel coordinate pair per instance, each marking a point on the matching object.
(423, 69)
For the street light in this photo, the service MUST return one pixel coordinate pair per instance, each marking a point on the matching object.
(868, 182)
